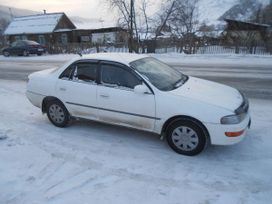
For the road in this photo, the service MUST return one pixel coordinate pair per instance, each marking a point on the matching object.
(254, 81)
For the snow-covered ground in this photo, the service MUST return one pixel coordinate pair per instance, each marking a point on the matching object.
(90, 162)
(174, 59)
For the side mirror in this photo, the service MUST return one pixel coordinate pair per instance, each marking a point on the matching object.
(141, 89)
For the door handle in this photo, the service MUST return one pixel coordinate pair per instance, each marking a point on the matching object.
(62, 89)
(104, 95)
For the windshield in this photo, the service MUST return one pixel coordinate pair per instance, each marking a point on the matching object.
(162, 76)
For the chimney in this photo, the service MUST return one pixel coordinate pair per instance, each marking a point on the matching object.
(44, 11)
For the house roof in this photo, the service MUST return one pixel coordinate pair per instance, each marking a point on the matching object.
(41, 23)
(95, 24)
(240, 25)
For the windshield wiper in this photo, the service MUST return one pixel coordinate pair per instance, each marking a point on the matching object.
(181, 81)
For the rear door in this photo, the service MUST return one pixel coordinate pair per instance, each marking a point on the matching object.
(117, 101)
(77, 88)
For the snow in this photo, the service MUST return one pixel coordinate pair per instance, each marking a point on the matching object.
(219, 60)
(210, 10)
(41, 23)
(172, 59)
(94, 24)
(90, 162)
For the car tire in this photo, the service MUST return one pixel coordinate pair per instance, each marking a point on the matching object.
(25, 53)
(57, 113)
(186, 136)
(6, 54)
(39, 54)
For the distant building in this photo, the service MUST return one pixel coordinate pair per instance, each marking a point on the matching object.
(57, 28)
(248, 34)
(43, 28)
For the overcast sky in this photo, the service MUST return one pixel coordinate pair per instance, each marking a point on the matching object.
(82, 8)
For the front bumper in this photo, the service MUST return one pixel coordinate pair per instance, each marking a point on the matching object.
(218, 136)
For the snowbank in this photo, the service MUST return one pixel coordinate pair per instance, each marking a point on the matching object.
(173, 59)
(96, 163)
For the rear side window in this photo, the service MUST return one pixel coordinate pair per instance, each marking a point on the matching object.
(116, 76)
(85, 71)
(67, 74)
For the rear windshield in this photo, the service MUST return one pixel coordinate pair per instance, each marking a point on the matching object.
(31, 43)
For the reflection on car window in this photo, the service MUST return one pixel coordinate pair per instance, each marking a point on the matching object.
(162, 76)
(117, 76)
(67, 74)
(85, 71)
(14, 44)
(20, 43)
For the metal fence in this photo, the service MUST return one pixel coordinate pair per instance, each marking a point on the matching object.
(86, 48)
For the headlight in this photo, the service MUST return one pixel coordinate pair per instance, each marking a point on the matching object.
(232, 119)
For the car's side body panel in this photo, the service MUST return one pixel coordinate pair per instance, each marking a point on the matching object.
(78, 97)
(123, 106)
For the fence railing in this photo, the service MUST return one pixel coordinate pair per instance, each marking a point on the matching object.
(86, 48)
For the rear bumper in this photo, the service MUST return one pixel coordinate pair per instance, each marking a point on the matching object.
(218, 132)
(35, 98)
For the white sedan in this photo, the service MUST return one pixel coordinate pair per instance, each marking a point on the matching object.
(141, 92)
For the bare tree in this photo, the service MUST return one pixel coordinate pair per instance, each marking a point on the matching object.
(127, 19)
(143, 9)
(184, 22)
(181, 17)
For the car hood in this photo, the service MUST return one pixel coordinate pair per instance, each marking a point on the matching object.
(210, 92)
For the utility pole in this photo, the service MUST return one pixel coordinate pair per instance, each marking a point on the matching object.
(10, 12)
(131, 26)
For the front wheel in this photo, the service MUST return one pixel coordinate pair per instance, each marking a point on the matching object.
(6, 53)
(57, 113)
(186, 137)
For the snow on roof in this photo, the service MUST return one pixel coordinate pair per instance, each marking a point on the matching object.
(42, 23)
(94, 24)
(125, 58)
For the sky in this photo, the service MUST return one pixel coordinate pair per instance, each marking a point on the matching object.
(82, 8)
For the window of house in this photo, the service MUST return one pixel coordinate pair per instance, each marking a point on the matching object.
(117, 76)
(24, 37)
(42, 39)
(64, 38)
(17, 38)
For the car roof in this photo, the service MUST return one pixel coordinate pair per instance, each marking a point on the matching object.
(124, 58)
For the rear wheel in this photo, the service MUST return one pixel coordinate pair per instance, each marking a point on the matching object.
(186, 137)
(6, 53)
(57, 113)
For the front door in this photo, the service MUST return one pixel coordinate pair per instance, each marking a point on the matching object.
(117, 101)
(77, 88)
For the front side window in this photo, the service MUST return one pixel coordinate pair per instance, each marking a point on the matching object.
(116, 76)
(162, 76)
(85, 71)
(14, 44)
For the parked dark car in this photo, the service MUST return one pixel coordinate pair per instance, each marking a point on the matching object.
(24, 48)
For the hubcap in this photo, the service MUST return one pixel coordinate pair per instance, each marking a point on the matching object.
(56, 113)
(185, 138)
